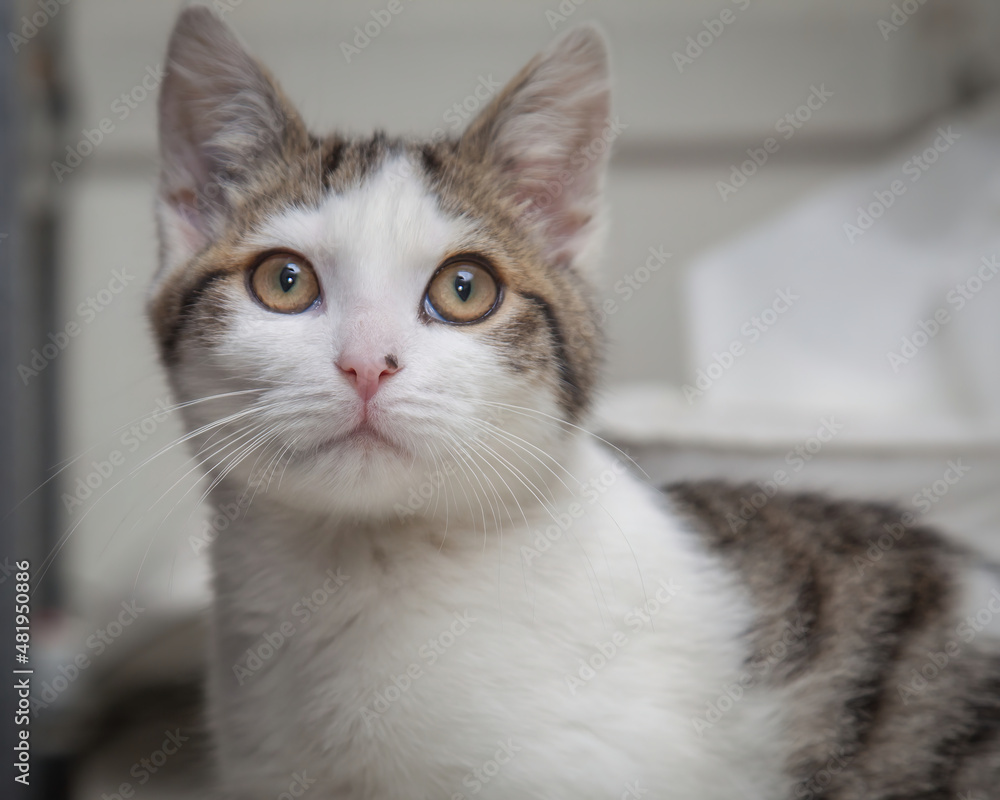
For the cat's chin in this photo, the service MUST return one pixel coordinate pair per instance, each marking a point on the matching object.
(363, 474)
(362, 441)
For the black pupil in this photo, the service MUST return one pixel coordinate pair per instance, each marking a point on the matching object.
(463, 285)
(288, 277)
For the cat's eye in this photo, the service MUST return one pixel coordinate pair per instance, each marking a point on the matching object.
(285, 283)
(461, 292)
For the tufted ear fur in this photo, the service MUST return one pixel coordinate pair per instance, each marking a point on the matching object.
(549, 133)
(221, 116)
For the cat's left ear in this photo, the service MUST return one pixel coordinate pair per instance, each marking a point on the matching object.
(549, 133)
(222, 119)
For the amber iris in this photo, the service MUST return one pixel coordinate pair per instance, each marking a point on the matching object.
(285, 283)
(461, 292)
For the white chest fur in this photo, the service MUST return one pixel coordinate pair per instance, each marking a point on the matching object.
(568, 660)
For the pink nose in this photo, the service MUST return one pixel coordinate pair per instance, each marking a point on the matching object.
(367, 374)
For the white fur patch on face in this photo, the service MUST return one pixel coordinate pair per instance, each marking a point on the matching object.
(374, 249)
(378, 242)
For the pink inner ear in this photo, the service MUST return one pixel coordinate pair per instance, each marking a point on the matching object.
(189, 223)
(559, 197)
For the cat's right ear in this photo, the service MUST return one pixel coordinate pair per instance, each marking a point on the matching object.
(221, 116)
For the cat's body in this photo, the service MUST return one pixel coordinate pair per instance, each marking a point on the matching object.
(427, 661)
(437, 585)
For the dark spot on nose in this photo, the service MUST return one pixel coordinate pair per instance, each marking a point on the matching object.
(391, 362)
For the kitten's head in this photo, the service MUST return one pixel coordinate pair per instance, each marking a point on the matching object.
(366, 311)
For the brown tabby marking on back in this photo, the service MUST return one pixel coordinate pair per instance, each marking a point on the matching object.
(863, 626)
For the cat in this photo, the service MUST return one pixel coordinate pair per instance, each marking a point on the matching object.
(437, 583)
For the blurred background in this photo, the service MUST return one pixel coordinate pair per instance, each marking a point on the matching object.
(802, 276)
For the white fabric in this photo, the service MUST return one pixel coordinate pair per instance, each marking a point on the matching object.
(858, 300)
